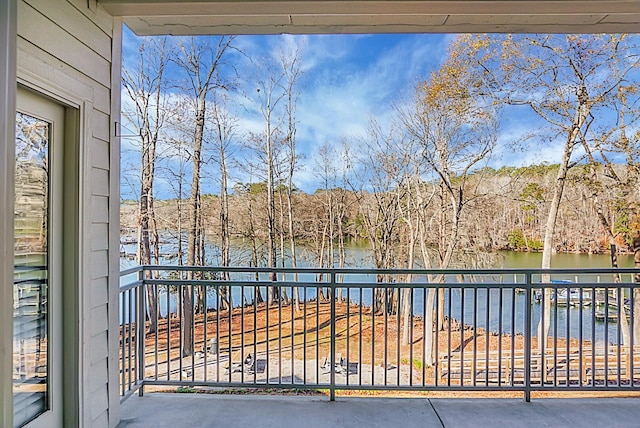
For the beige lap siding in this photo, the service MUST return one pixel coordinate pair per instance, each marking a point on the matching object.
(69, 44)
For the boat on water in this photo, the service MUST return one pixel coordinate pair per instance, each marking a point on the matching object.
(567, 296)
(574, 297)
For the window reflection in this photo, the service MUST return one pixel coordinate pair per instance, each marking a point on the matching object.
(30, 289)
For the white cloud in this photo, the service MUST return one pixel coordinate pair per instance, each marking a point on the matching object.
(342, 94)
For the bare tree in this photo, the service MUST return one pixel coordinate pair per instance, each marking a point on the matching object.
(177, 173)
(291, 65)
(382, 164)
(224, 124)
(562, 79)
(145, 85)
(249, 194)
(270, 101)
(201, 62)
(600, 144)
(327, 172)
(457, 129)
(413, 209)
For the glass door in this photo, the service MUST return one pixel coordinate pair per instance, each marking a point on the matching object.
(37, 388)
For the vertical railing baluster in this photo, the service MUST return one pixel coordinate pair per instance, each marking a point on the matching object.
(500, 308)
(606, 337)
(514, 307)
(555, 336)
(373, 338)
(462, 341)
(193, 326)
(385, 349)
(593, 344)
(140, 335)
(230, 335)
(632, 345)
(169, 328)
(280, 293)
(410, 315)
(256, 290)
(487, 336)
(155, 334)
(242, 341)
(475, 337)
(317, 344)
(527, 338)
(332, 289)
(427, 332)
(449, 328)
(267, 309)
(621, 313)
(180, 333)
(132, 322)
(580, 332)
(348, 309)
(398, 333)
(205, 340)
(304, 336)
(123, 325)
(360, 337)
(292, 306)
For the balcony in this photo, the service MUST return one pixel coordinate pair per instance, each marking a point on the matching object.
(331, 330)
(178, 410)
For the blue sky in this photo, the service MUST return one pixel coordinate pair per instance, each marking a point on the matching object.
(348, 79)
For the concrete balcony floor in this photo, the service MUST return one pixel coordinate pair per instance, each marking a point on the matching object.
(160, 410)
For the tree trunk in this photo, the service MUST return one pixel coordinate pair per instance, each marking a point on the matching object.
(272, 295)
(254, 252)
(622, 313)
(283, 291)
(225, 241)
(192, 237)
(202, 81)
(341, 253)
(144, 86)
(179, 209)
(407, 307)
(581, 115)
(428, 335)
(292, 245)
(624, 323)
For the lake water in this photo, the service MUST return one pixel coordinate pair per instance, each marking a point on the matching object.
(480, 307)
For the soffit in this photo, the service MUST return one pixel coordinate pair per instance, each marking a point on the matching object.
(148, 17)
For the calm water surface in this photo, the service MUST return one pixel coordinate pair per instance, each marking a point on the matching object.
(498, 310)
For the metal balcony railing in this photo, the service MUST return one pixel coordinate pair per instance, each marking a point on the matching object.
(371, 329)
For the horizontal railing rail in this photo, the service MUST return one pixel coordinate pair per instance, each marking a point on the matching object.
(517, 330)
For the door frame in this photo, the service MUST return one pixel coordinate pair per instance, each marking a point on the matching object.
(8, 28)
(40, 107)
(76, 257)
(69, 243)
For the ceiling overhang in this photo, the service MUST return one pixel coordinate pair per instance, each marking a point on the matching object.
(194, 17)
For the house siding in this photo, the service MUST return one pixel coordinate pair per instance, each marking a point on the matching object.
(69, 45)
